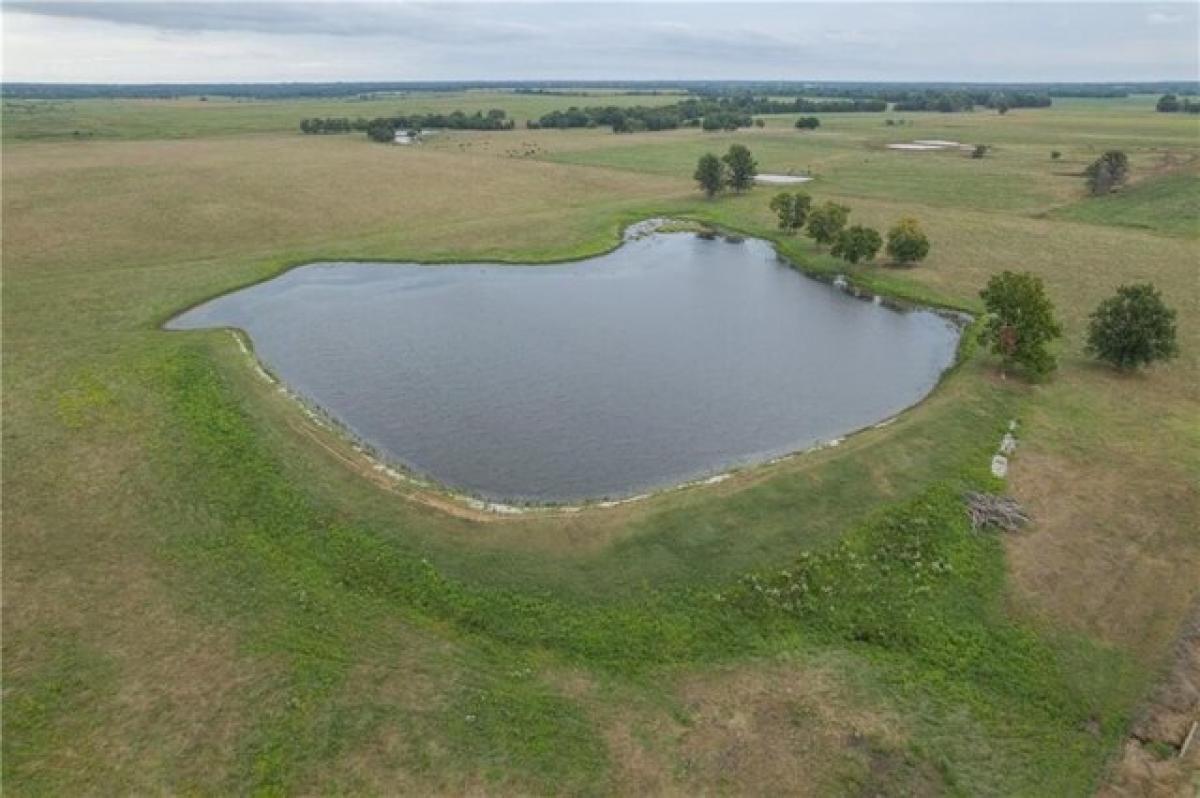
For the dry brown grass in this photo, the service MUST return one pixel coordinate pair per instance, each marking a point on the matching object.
(757, 729)
(119, 204)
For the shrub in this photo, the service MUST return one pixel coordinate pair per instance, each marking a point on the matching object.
(980, 150)
(857, 243)
(1133, 328)
(826, 221)
(710, 174)
(792, 210)
(907, 242)
(1107, 172)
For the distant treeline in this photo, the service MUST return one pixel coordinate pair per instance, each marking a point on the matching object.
(332, 125)
(709, 113)
(75, 91)
(952, 101)
(1170, 104)
(600, 93)
(895, 92)
(384, 128)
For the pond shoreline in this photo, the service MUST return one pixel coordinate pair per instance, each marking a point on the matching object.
(428, 490)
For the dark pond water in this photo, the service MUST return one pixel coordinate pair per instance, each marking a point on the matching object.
(672, 358)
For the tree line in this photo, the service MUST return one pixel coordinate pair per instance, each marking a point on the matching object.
(384, 128)
(956, 101)
(708, 113)
(827, 225)
(317, 125)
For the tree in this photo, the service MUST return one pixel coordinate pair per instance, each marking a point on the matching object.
(792, 210)
(809, 123)
(710, 174)
(1055, 155)
(1168, 104)
(856, 243)
(1133, 328)
(760, 122)
(1107, 172)
(979, 151)
(907, 242)
(1020, 321)
(742, 167)
(381, 130)
(827, 220)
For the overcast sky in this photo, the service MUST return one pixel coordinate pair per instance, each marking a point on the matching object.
(148, 42)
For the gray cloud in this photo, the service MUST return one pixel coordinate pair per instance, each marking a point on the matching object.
(452, 24)
(195, 41)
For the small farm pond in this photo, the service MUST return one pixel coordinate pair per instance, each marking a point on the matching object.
(672, 358)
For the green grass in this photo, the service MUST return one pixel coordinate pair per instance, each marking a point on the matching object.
(200, 599)
(1168, 204)
(913, 586)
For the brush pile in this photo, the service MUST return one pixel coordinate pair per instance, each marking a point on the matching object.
(989, 509)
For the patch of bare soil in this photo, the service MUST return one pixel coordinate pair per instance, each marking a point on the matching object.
(1153, 762)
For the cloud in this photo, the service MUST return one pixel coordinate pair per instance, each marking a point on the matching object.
(1163, 18)
(449, 24)
(896, 41)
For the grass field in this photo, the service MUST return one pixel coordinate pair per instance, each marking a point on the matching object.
(205, 593)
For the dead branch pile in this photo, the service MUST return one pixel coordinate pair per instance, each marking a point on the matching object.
(1004, 512)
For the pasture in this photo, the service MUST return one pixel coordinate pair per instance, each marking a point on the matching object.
(207, 593)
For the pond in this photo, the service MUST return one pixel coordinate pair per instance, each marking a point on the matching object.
(672, 358)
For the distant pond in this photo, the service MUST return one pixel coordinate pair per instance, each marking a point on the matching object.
(672, 358)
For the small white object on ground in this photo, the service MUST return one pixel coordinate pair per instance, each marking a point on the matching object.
(781, 179)
(1000, 466)
(1008, 443)
(1012, 425)
(927, 144)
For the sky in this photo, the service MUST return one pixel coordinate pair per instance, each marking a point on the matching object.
(165, 42)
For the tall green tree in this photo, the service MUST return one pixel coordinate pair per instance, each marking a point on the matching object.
(1133, 328)
(742, 167)
(826, 220)
(1168, 104)
(792, 210)
(907, 242)
(856, 243)
(710, 174)
(1020, 321)
(1107, 172)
